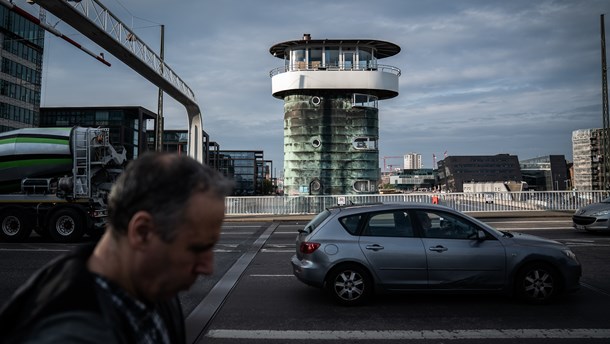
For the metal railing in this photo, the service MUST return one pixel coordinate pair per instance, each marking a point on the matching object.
(467, 202)
(308, 67)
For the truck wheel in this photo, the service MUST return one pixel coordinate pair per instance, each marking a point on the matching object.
(66, 225)
(14, 225)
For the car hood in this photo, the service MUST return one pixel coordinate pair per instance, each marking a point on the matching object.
(532, 240)
(593, 208)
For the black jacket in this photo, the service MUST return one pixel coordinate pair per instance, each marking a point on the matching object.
(65, 286)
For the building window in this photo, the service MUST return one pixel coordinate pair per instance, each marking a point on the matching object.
(365, 143)
(365, 186)
(364, 100)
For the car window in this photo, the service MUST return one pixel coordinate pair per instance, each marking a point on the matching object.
(350, 223)
(435, 224)
(389, 224)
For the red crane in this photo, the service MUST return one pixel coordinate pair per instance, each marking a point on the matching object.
(385, 169)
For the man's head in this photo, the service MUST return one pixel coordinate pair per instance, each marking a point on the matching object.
(168, 211)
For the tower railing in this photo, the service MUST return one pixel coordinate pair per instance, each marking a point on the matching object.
(304, 66)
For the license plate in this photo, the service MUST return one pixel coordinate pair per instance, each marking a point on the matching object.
(580, 227)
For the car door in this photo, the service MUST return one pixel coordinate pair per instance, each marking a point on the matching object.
(394, 254)
(457, 258)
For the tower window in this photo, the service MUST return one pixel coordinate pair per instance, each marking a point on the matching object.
(364, 100)
(368, 143)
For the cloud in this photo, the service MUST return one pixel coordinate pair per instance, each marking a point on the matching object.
(478, 77)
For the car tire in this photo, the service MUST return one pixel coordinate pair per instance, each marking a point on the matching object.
(66, 225)
(349, 285)
(15, 225)
(537, 283)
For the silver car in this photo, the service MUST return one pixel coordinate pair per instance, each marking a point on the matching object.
(356, 251)
(593, 217)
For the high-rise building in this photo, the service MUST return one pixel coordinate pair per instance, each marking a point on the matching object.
(21, 50)
(330, 89)
(587, 156)
(413, 161)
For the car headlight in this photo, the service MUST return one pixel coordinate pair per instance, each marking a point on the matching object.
(570, 254)
(601, 213)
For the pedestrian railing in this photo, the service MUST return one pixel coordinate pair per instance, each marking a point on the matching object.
(467, 202)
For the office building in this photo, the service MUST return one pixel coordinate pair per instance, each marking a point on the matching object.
(546, 173)
(127, 124)
(454, 171)
(20, 71)
(587, 156)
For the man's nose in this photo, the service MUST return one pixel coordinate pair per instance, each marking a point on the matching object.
(205, 263)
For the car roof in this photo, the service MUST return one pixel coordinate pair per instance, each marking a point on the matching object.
(368, 207)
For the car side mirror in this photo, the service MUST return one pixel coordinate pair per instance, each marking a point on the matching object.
(481, 235)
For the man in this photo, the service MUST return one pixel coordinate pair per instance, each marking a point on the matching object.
(165, 213)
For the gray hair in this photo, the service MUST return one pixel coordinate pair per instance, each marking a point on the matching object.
(162, 184)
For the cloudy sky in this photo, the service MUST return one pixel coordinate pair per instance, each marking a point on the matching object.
(478, 77)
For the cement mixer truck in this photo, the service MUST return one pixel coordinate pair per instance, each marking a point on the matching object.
(55, 181)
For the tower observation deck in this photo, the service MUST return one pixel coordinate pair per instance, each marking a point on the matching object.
(331, 89)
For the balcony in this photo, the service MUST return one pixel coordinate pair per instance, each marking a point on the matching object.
(378, 80)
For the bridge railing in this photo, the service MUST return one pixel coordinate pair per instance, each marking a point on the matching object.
(467, 202)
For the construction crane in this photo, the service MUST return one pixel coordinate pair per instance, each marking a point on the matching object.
(385, 168)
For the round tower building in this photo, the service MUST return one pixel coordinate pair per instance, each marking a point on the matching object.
(331, 89)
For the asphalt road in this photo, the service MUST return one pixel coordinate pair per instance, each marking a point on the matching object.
(254, 298)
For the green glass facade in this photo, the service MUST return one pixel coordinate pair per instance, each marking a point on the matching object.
(330, 145)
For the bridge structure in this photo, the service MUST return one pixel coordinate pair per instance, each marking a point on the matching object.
(96, 22)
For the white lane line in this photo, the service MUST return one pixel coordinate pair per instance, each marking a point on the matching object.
(585, 333)
(541, 221)
(33, 250)
(266, 250)
(236, 233)
(531, 228)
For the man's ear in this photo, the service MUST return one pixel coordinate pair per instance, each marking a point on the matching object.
(140, 229)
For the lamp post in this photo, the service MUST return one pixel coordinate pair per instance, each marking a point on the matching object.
(159, 122)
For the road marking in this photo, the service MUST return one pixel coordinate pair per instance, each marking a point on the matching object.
(584, 333)
(201, 316)
(266, 250)
(541, 221)
(531, 228)
(596, 289)
(34, 250)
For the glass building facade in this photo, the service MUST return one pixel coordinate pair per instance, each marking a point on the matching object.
(244, 168)
(20, 71)
(454, 171)
(127, 124)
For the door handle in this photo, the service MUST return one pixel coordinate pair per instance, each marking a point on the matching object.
(375, 247)
(438, 248)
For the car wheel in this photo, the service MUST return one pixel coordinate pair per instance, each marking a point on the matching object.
(14, 225)
(349, 285)
(66, 225)
(537, 283)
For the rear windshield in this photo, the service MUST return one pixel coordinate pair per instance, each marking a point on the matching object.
(313, 224)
